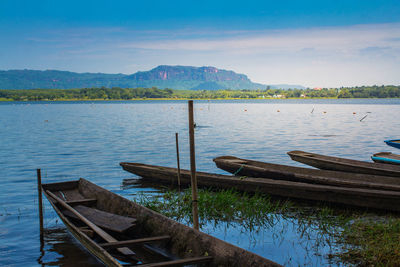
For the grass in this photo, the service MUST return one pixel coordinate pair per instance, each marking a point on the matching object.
(372, 243)
(217, 206)
(365, 239)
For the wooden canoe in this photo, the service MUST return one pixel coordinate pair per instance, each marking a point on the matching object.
(393, 143)
(120, 232)
(260, 169)
(386, 157)
(367, 198)
(344, 165)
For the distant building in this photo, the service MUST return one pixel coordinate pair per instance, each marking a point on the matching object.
(317, 88)
(278, 96)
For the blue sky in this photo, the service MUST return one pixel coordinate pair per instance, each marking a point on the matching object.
(312, 43)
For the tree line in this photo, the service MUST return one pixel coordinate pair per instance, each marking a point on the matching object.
(117, 93)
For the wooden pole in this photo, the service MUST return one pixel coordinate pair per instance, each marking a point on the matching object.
(177, 160)
(193, 167)
(39, 182)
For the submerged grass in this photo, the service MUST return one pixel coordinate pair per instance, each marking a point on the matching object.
(252, 211)
(363, 239)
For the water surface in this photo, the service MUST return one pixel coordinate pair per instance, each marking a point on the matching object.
(68, 140)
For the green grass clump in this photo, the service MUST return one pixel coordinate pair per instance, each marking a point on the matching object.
(372, 243)
(251, 211)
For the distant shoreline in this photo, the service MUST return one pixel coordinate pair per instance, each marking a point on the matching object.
(121, 94)
(169, 99)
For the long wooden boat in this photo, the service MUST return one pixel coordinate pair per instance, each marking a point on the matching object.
(386, 157)
(393, 143)
(344, 165)
(260, 169)
(120, 232)
(369, 198)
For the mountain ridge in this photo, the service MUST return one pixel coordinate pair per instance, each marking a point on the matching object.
(163, 76)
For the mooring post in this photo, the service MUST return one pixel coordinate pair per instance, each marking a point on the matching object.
(177, 160)
(193, 167)
(39, 182)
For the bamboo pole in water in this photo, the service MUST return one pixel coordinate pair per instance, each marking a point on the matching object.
(39, 183)
(193, 167)
(177, 160)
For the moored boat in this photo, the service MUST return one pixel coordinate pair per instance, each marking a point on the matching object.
(120, 232)
(393, 143)
(368, 198)
(386, 157)
(344, 165)
(260, 169)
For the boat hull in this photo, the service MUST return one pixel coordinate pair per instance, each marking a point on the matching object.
(259, 169)
(344, 165)
(97, 251)
(386, 157)
(367, 198)
(393, 143)
(184, 241)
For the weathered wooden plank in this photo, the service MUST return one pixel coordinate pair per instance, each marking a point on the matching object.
(179, 262)
(371, 198)
(134, 241)
(104, 219)
(252, 168)
(61, 186)
(87, 231)
(85, 202)
(344, 164)
(95, 228)
(72, 194)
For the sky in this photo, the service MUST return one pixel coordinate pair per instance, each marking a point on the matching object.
(324, 43)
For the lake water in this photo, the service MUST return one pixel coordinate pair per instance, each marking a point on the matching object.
(68, 140)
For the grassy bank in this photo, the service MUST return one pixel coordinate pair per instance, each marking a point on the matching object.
(365, 239)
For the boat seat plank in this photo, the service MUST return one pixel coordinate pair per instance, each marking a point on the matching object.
(87, 231)
(179, 262)
(85, 202)
(134, 241)
(72, 195)
(104, 219)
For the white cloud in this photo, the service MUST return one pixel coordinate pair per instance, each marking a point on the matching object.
(338, 38)
(328, 57)
(315, 57)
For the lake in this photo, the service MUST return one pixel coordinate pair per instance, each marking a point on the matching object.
(68, 140)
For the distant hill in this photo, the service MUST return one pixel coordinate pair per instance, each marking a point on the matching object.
(175, 77)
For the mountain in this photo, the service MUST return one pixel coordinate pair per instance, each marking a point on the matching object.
(54, 79)
(174, 77)
(193, 78)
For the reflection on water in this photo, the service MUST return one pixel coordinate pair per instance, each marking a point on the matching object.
(61, 249)
(324, 135)
(68, 140)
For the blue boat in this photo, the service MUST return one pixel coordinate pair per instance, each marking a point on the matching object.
(393, 143)
(386, 157)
